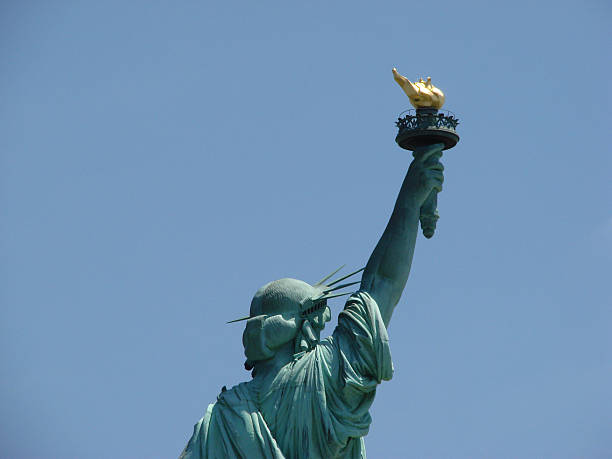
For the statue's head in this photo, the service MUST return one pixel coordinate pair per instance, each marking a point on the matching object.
(287, 311)
(283, 311)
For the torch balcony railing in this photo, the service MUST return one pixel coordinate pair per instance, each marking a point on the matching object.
(412, 119)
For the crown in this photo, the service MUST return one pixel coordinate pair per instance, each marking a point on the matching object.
(322, 291)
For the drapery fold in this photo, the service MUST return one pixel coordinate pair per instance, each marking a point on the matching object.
(317, 405)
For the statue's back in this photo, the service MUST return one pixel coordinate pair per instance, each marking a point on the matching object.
(316, 406)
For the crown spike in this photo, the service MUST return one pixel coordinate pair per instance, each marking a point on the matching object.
(327, 297)
(238, 320)
(328, 276)
(341, 286)
(345, 277)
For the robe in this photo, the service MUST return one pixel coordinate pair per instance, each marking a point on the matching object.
(316, 407)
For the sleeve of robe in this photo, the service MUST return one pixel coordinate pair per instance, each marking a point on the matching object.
(359, 359)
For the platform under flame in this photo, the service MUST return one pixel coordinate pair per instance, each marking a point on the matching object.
(426, 126)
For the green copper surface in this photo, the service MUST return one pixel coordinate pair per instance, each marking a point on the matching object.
(310, 397)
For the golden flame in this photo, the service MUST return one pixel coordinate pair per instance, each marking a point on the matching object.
(422, 94)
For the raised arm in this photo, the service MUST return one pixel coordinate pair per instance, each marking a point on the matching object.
(387, 270)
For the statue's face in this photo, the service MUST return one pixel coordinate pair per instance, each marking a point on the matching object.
(320, 318)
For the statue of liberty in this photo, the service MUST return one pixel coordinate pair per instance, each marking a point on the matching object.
(310, 397)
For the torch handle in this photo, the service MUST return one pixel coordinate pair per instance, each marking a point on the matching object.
(429, 214)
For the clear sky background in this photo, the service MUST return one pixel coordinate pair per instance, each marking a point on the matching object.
(160, 161)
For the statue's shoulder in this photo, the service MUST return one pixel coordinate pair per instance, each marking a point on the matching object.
(227, 429)
(240, 394)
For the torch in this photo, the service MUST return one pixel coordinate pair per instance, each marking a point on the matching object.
(425, 125)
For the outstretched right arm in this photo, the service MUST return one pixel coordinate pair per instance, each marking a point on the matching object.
(388, 268)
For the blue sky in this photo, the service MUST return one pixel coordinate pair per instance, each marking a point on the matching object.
(160, 161)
